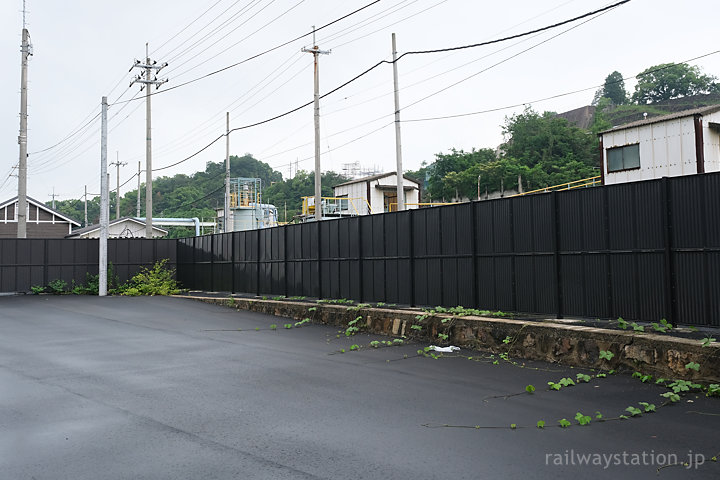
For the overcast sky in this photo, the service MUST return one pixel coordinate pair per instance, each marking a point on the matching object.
(84, 48)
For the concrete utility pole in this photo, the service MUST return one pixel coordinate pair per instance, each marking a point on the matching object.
(104, 212)
(315, 50)
(226, 211)
(86, 223)
(398, 143)
(117, 163)
(151, 68)
(21, 213)
(137, 214)
(53, 195)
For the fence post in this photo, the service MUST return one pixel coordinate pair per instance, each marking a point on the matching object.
(361, 273)
(212, 263)
(232, 262)
(46, 257)
(319, 259)
(608, 262)
(475, 283)
(513, 258)
(670, 291)
(284, 230)
(558, 276)
(257, 262)
(412, 256)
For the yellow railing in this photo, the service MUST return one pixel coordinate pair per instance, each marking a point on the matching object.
(334, 205)
(393, 206)
(585, 182)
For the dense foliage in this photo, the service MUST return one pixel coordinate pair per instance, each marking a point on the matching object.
(543, 149)
(199, 194)
(672, 80)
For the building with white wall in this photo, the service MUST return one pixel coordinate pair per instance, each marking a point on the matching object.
(682, 143)
(125, 227)
(378, 193)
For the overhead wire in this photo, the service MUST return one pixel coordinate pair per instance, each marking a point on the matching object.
(365, 72)
(264, 52)
(551, 97)
(242, 39)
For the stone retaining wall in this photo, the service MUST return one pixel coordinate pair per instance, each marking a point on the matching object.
(575, 345)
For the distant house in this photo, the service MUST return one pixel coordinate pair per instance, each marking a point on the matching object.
(378, 193)
(682, 143)
(41, 221)
(125, 227)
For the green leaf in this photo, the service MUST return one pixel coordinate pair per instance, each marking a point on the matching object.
(634, 411)
(540, 424)
(513, 426)
(582, 419)
(564, 423)
(693, 366)
(530, 389)
(606, 355)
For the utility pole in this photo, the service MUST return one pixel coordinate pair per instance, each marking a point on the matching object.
(104, 212)
(117, 163)
(86, 222)
(315, 50)
(151, 69)
(53, 195)
(226, 208)
(21, 213)
(138, 194)
(398, 144)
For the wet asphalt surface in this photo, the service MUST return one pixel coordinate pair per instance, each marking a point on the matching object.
(169, 388)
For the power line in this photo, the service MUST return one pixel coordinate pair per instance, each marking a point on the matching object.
(262, 53)
(552, 97)
(502, 61)
(355, 78)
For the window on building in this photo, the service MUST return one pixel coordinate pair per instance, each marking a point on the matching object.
(623, 158)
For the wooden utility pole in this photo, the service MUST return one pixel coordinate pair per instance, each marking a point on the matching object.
(151, 68)
(398, 143)
(117, 163)
(315, 50)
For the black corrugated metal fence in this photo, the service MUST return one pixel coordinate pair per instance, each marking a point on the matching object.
(643, 251)
(25, 263)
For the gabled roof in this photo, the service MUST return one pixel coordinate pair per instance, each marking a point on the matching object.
(92, 228)
(42, 206)
(662, 118)
(373, 177)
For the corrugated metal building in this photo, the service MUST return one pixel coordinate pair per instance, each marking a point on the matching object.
(42, 221)
(380, 191)
(682, 143)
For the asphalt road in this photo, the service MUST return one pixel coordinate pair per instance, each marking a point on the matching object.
(169, 388)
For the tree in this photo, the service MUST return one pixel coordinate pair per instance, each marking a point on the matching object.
(613, 89)
(549, 141)
(672, 80)
(440, 187)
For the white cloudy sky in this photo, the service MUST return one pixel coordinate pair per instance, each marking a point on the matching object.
(84, 48)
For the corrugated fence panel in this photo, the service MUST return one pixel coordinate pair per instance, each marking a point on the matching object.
(643, 251)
